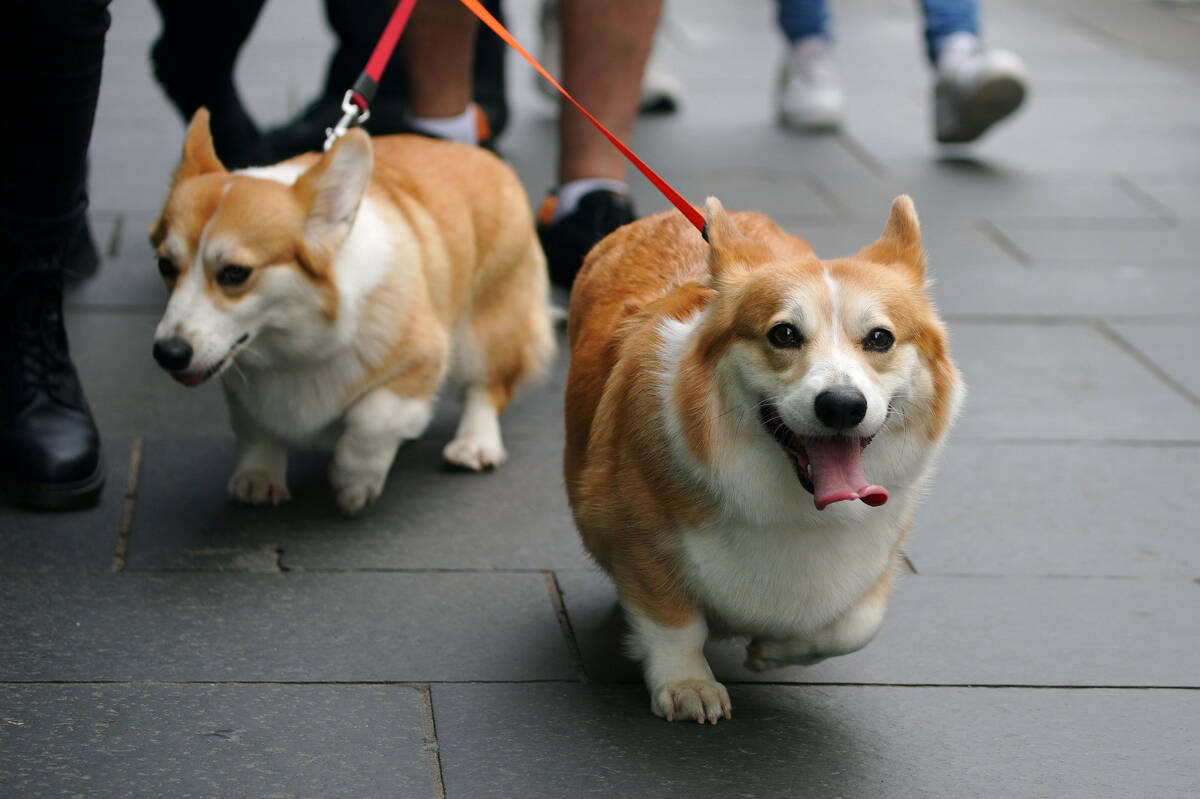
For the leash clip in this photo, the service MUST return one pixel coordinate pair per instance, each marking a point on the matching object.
(352, 115)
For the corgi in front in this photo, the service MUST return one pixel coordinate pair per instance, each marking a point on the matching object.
(334, 293)
(748, 431)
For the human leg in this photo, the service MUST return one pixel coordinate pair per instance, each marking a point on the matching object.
(194, 58)
(49, 446)
(438, 52)
(605, 45)
(975, 87)
(809, 94)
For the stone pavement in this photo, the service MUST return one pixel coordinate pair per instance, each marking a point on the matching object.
(454, 641)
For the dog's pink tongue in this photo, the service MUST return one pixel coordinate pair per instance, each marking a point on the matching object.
(837, 472)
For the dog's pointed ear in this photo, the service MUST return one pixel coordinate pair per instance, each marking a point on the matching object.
(901, 239)
(199, 156)
(330, 192)
(729, 252)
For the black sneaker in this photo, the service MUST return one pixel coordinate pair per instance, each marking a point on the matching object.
(568, 240)
(49, 446)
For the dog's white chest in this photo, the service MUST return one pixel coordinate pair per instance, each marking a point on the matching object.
(295, 405)
(786, 579)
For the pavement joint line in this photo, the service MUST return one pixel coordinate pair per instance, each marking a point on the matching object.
(1050, 320)
(1086, 223)
(1156, 206)
(1084, 442)
(356, 570)
(125, 527)
(859, 153)
(114, 236)
(564, 624)
(1001, 240)
(841, 211)
(1129, 349)
(606, 683)
(432, 747)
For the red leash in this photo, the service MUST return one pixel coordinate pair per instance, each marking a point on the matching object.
(355, 104)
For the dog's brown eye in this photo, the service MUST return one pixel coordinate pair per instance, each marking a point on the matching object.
(167, 269)
(880, 339)
(233, 275)
(784, 336)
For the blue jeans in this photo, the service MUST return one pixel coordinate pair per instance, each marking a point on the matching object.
(801, 18)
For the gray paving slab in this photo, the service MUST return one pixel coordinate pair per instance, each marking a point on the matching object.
(298, 627)
(128, 275)
(32, 540)
(965, 189)
(1062, 382)
(1066, 288)
(513, 517)
(1179, 194)
(584, 740)
(212, 740)
(1134, 244)
(1030, 509)
(129, 394)
(962, 631)
(1168, 346)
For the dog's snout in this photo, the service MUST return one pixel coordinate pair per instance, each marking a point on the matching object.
(841, 407)
(172, 354)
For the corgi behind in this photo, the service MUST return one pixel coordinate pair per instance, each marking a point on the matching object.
(334, 293)
(748, 431)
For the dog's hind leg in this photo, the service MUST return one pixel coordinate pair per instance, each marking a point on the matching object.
(507, 339)
(847, 633)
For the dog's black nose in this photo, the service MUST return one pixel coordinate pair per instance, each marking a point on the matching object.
(172, 354)
(840, 407)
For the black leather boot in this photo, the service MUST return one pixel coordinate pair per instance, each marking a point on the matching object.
(49, 446)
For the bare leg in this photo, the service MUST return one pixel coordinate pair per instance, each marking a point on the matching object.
(605, 47)
(439, 47)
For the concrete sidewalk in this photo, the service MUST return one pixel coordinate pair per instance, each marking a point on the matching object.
(454, 641)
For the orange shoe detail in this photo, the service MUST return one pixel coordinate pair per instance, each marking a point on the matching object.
(483, 130)
(546, 212)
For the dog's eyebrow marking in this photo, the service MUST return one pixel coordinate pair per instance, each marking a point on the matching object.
(834, 304)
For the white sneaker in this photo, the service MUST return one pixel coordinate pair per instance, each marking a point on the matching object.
(975, 88)
(662, 92)
(810, 97)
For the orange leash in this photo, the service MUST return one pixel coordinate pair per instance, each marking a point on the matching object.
(685, 208)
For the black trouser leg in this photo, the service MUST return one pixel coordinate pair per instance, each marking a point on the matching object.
(51, 53)
(194, 58)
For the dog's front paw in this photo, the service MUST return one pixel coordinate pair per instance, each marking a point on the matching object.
(476, 454)
(702, 700)
(258, 487)
(355, 491)
(768, 653)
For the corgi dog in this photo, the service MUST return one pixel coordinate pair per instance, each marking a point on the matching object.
(748, 430)
(334, 293)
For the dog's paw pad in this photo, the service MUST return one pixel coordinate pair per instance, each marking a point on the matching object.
(692, 700)
(353, 497)
(770, 654)
(477, 456)
(256, 487)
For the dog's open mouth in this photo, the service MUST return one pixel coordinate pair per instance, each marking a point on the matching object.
(195, 377)
(829, 467)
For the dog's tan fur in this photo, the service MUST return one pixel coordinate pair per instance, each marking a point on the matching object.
(644, 497)
(461, 289)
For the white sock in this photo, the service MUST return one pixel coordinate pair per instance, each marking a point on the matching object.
(462, 128)
(569, 194)
(956, 46)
